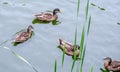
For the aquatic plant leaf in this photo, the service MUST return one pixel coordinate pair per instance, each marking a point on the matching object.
(35, 21)
(82, 42)
(56, 22)
(87, 9)
(97, 6)
(55, 66)
(82, 59)
(21, 58)
(104, 70)
(16, 43)
(74, 57)
(101, 8)
(5, 2)
(75, 40)
(78, 7)
(118, 23)
(73, 64)
(63, 56)
(4, 42)
(89, 23)
(92, 68)
(93, 4)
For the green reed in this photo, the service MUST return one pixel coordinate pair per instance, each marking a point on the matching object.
(92, 68)
(101, 8)
(75, 38)
(21, 58)
(83, 43)
(78, 7)
(89, 23)
(63, 56)
(104, 70)
(55, 66)
(74, 57)
(87, 9)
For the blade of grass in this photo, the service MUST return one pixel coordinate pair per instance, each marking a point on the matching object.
(91, 70)
(55, 66)
(82, 42)
(78, 7)
(63, 56)
(82, 60)
(93, 4)
(4, 42)
(75, 41)
(22, 58)
(73, 64)
(89, 23)
(87, 9)
(74, 57)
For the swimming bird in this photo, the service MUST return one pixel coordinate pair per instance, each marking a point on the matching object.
(112, 65)
(48, 16)
(68, 48)
(24, 35)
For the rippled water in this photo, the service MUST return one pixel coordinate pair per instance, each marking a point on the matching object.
(41, 50)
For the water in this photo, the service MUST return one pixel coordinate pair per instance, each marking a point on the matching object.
(41, 50)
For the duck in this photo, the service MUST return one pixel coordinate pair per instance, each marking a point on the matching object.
(48, 16)
(68, 48)
(111, 65)
(24, 35)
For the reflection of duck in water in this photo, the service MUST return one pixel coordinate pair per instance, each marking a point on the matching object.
(68, 48)
(112, 65)
(48, 16)
(23, 36)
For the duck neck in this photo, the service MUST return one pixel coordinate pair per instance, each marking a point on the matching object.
(54, 13)
(28, 30)
(109, 63)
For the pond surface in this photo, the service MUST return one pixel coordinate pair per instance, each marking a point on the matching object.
(41, 50)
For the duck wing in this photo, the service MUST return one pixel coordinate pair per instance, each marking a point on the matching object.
(45, 16)
(115, 64)
(66, 45)
(22, 37)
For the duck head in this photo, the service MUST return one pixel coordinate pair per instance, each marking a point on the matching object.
(56, 10)
(30, 28)
(108, 61)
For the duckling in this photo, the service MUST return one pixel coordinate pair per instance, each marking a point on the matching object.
(48, 16)
(69, 48)
(112, 65)
(25, 35)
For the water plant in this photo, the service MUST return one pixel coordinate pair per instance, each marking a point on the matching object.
(101, 8)
(36, 21)
(55, 66)
(20, 57)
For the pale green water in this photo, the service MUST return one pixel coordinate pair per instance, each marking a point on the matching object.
(41, 50)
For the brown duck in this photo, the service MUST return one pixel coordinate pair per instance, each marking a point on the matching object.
(69, 48)
(48, 16)
(25, 35)
(112, 65)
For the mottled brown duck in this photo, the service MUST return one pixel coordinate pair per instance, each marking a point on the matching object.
(112, 65)
(68, 48)
(48, 16)
(24, 35)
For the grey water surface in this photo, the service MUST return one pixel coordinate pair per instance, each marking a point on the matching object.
(41, 50)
